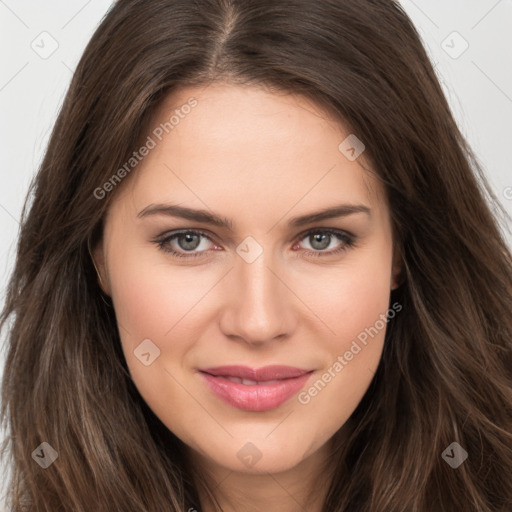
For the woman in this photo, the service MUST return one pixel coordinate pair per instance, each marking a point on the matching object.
(259, 270)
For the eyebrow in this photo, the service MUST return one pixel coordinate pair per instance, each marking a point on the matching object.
(207, 217)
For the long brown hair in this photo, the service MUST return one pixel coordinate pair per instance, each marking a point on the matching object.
(446, 371)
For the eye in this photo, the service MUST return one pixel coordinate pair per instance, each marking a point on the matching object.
(192, 243)
(320, 239)
(187, 242)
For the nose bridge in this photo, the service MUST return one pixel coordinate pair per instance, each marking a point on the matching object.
(259, 308)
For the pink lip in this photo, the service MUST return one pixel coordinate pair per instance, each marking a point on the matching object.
(255, 397)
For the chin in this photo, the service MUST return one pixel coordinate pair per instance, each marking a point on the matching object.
(259, 456)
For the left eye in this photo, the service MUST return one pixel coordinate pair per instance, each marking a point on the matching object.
(189, 242)
(320, 239)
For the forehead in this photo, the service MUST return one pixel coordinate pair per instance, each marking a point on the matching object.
(245, 144)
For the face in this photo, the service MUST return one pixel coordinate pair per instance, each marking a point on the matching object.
(294, 306)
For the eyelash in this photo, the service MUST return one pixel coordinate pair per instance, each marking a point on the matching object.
(349, 241)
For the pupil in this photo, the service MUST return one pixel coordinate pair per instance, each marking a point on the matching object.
(189, 243)
(324, 240)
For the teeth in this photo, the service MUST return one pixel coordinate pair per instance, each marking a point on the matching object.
(234, 379)
(249, 382)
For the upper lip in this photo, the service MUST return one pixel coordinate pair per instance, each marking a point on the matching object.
(273, 372)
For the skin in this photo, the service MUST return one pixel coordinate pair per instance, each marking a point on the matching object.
(258, 158)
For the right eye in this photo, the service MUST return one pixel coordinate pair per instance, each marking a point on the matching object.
(186, 242)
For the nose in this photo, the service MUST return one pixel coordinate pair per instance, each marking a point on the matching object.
(259, 308)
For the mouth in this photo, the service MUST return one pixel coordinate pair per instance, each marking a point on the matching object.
(255, 389)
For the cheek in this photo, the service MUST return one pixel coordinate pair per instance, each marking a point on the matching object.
(150, 300)
(153, 303)
(353, 305)
(351, 297)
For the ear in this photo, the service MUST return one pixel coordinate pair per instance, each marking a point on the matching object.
(397, 271)
(99, 262)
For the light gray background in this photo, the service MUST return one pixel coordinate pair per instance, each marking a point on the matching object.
(477, 82)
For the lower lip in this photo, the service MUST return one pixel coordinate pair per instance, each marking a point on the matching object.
(255, 397)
